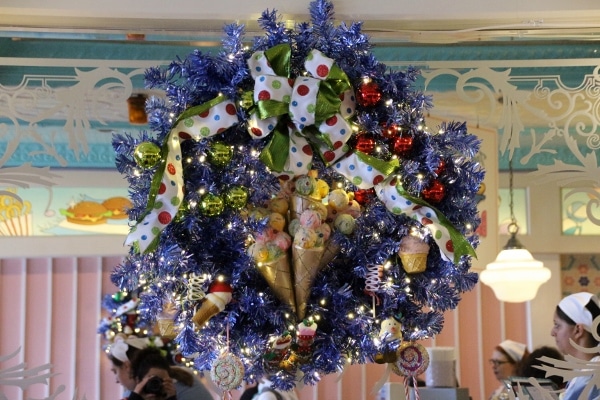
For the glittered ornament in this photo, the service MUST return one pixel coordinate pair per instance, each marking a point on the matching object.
(219, 154)
(365, 143)
(402, 145)
(236, 197)
(211, 205)
(441, 167)
(390, 131)
(146, 155)
(435, 192)
(362, 196)
(368, 94)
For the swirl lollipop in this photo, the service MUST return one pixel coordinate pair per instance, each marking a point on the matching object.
(413, 360)
(227, 372)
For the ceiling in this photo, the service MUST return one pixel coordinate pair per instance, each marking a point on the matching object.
(488, 69)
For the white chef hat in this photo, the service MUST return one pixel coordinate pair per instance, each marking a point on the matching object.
(119, 348)
(575, 306)
(515, 350)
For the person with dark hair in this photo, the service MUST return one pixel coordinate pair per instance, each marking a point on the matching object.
(529, 364)
(122, 352)
(505, 361)
(150, 371)
(575, 334)
(249, 393)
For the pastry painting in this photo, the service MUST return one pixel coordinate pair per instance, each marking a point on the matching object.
(63, 211)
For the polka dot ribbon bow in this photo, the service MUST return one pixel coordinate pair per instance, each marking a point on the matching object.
(451, 242)
(300, 114)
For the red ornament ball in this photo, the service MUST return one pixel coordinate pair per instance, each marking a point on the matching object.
(402, 145)
(435, 192)
(390, 131)
(362, 196)
(368, 94)
(365, 143)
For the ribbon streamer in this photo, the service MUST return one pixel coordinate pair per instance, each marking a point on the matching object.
(166, 191)
(364, 170)
(451, 242)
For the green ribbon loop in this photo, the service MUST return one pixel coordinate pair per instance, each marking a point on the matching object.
(385, 167)
(199, 109)
(275, 154)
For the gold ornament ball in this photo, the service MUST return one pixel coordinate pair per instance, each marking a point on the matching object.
(147, 155)
(236, 197)
(211, 205)
(219, 154)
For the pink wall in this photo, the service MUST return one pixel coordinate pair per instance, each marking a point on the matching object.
(50, 308)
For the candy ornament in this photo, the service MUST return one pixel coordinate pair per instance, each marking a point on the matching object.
(413, 360)
(227, 372)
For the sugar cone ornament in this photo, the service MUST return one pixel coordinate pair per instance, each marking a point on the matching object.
(306, 264)
(215, 301)
(278, 275)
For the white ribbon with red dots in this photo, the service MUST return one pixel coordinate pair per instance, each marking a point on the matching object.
(398, 204)
(169, 196)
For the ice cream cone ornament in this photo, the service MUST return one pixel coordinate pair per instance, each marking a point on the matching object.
(291, 276)
(413, 254)
(219, 295)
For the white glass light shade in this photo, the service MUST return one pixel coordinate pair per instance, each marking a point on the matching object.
(515, 276)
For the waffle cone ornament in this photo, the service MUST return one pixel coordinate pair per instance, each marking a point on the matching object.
(278, 275)
(306, 264)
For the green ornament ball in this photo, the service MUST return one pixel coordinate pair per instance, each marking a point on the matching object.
(236, 197)
(211, 205)
(147, 155)
(220, 154)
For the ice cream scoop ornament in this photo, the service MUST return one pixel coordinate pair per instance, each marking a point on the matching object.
(219, 295)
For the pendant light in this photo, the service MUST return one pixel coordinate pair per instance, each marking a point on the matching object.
(515, 276)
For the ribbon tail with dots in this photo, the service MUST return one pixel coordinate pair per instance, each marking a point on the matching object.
(166, 189)
(451, 242)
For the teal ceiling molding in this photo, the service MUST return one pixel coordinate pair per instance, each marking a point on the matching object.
(62, 97)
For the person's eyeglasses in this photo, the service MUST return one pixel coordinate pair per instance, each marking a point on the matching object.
(496, 363)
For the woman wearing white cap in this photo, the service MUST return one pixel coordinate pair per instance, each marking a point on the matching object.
(575, 331)
(505, 361)
(123, 351)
